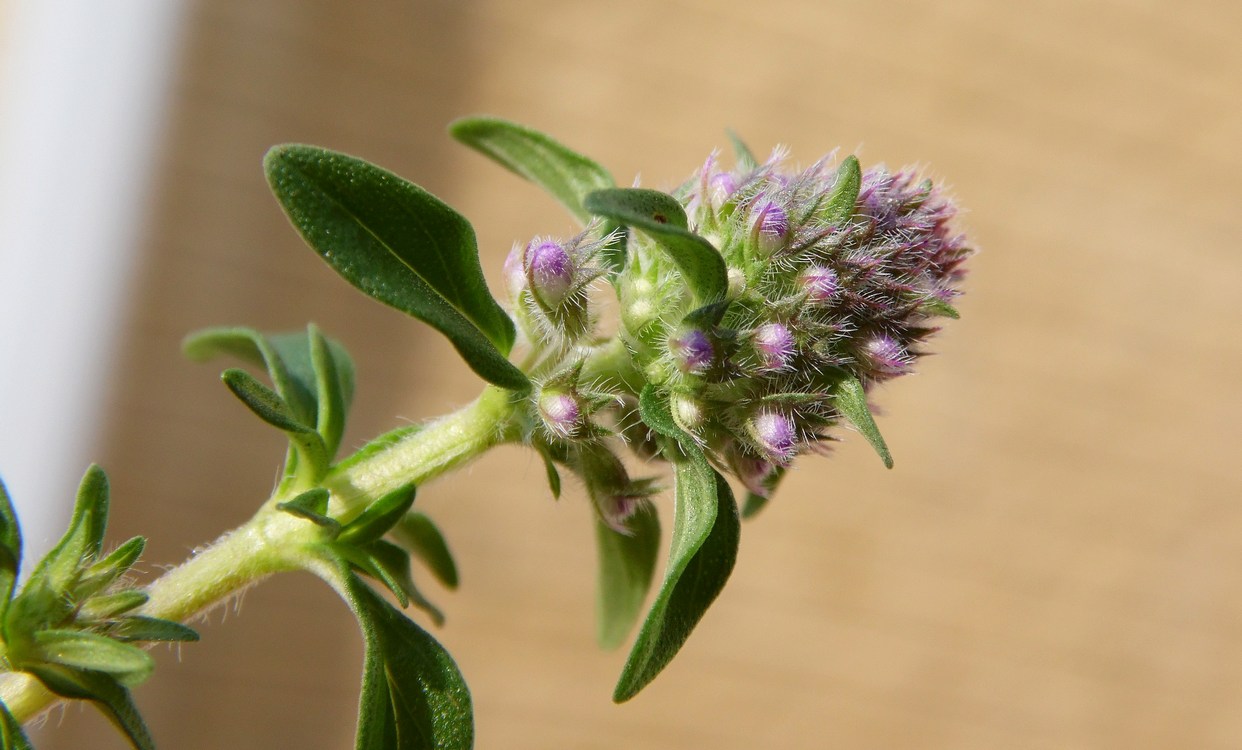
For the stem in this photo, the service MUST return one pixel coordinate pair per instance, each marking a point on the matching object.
(273, 541)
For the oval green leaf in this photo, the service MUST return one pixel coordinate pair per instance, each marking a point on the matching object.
(398, 244)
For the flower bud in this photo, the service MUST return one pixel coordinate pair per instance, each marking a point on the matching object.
(771, 225)
(549, 271)
(753, 472)
(820, 284)
(774, 345)
(693, 351)
(885, 356)
(687, 413)
(776, 435)
(722, 186)
(561, 414)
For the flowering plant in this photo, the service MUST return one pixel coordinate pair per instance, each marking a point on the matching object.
(757, 308)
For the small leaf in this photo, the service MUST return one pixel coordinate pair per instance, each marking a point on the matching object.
(103, 573)
(839, 207)
(334, 387)
(567, 175)
(75, 648)
(58, 570)
(378, 517)
(705, 541)
(271, 408)
(413, 696)
(745, 158)
(378, 445)
(851, 400)
(400, 245)
(11, 735)
(937, 307)
(392, 568)
(296, 385)
(554, 476)
(142, 628)
(417, 533)
(661, 217)
(111, 605)
(313, 506)
(626, 567)
(112, 699)
(10, 550)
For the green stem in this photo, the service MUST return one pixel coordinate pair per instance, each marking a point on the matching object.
(273, 541)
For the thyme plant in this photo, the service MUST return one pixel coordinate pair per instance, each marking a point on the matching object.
(758, 309)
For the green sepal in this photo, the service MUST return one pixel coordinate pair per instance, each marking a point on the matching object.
(413, 695)
(102, 574)
(626, 568)
(111, 605)
(851, 400)
(934, 307)
(79, 649)
(705, 539)
(11, 735)
(109, 695)
(400, 245)
(419, 534)
(10, 549)
(662, 218)
(378, 517)
(143, 628)
(271, 408)
(742, 154)
(566, 175)
(838, 208)
(312, 505)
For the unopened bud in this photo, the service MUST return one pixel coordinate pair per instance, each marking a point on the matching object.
(776, 435)
(693, 351)
(687, 413)
(549, 271)
(774, 345)
(885, 355)
(722, 186)
(561, 413)
(771, 224)
(821, 284)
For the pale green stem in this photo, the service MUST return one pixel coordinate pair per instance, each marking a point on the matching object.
(273, 541)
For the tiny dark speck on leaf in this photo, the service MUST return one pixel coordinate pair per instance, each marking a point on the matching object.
(660, 218)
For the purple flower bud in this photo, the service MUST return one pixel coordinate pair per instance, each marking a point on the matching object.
(775, 346)
(752, 472)
(550, 272)
(560, 413)
(885, 355)
(771, 224)
(722, 186)
(821, 284)
(693, 351)
(776, 435)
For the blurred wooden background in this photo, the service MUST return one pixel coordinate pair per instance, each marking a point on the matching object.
(1055, 561)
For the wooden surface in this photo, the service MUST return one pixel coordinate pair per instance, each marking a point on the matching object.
(1053, 563)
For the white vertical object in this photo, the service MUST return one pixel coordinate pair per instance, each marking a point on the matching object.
(83, 90)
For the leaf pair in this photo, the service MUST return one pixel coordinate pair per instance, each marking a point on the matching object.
(313, 385)
(71, 626)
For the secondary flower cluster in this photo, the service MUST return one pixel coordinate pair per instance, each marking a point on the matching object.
(834, 275)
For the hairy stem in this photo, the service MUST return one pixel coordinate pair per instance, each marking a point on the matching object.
(273, 541)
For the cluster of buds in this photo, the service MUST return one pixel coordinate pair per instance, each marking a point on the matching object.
(834, 274)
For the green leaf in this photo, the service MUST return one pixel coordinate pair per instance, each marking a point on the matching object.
(413, 695)
(378, 445)
(112, 699)
(549, 468)
(839, 206)
(103, 573)
(334, 387)
(142, 628)
(704, 549)
(10, 549)
(400, 245)
(662, 218)
(271, 408)
(58, 570)
(11, 735)
(378, 517)
(626, 568)
(567, 175)
(130, 665)
(111, 605)
(312, 505)
(746, 160)
(851, 400)
(938, 307)
(418, 534)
